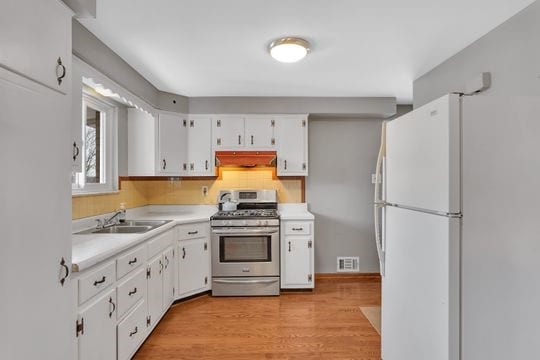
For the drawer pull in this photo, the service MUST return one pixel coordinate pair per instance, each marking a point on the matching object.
(193, 232)
(131, 262)
(134, 331)
(298, 229)
(97, 282)
(131, 293)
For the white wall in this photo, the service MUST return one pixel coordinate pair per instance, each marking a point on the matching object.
(511, 52)
(342, 157)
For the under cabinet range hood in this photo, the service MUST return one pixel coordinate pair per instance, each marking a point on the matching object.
(246, 158)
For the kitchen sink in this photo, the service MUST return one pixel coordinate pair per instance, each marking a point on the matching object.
(127, 227)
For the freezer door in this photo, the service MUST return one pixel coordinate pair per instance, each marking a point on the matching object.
(420, 289)
(423, 157)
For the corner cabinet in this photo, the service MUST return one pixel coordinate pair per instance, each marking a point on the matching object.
(297, 254)
(157, 146)
(291, 134)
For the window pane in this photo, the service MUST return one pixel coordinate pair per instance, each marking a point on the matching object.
(93, 130)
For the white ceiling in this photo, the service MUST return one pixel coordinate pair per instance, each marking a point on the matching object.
(360, 47)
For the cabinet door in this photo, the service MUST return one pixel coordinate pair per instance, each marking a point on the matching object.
(260, 132)
(228, 132)
(201, 162)
(193, 260)
(172, 136)
(168, 278)
(298, 260)
(291, 144)
(36, 35)
(34, 142)
(76, 117)
(154, 281)
(98, 338)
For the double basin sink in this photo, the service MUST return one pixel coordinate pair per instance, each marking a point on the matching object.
(127, 227)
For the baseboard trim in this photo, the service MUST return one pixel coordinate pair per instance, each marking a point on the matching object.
(359, 276)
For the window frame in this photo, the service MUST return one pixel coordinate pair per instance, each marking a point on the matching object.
(110, 146)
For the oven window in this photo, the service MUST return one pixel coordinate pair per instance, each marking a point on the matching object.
(245, 249)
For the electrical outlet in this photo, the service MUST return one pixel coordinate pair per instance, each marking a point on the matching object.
(204, 190)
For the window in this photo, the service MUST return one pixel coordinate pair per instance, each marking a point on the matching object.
(99, 118)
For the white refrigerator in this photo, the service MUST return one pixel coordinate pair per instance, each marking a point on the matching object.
(457, 215)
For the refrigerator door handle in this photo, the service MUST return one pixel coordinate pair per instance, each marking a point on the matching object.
(378, 201)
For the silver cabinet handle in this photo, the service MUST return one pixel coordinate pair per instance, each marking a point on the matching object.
(239, 139)
(60, 71)
(76, 151)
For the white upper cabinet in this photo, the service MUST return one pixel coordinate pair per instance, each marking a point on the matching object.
(260, 132)
(228, 132)
(291, 133)
(172, 143)
(142, 134)
(36, 41)
(200, 154)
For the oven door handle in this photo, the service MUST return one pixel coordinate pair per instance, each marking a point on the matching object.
(245, 281)
(243, 231)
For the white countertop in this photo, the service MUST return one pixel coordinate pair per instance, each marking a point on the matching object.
(90, 249)
(295, 212)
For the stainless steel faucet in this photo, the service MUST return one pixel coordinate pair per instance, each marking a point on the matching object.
(110, 221)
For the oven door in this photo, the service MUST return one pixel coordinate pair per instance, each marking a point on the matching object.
(238, 251)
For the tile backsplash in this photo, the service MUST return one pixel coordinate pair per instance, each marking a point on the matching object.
(161, 191)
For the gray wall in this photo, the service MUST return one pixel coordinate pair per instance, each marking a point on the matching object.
(511, 52)
(342, 157)
(95, 53)
(329, 106)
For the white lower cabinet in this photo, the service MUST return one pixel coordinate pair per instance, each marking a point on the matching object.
(297, 255)
(160, 285)
(193, 259)
(132, 331)
(97, 338)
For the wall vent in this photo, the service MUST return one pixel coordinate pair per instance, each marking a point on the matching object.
(348, 264)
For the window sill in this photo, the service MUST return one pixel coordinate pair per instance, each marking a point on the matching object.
(97, 193)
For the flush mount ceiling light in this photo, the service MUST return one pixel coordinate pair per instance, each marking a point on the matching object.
(289, 49)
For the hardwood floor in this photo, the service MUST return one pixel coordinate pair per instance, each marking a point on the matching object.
(324, 324)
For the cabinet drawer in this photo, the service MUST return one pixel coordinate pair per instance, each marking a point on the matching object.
(130, 261)
(131, 291)
(298, 228)
(97, 280)
(192, 231)
(159, 243)
(131, 331)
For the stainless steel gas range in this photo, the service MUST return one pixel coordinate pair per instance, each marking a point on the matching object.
(245, 245)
